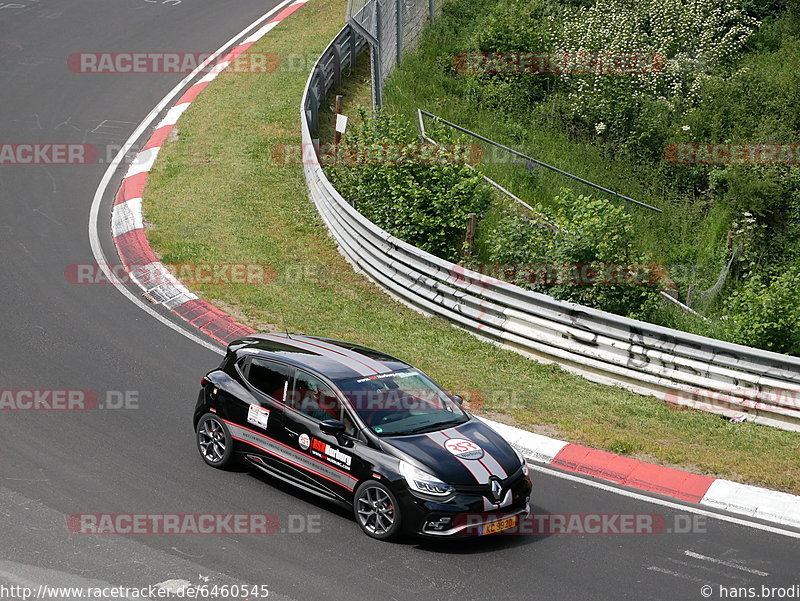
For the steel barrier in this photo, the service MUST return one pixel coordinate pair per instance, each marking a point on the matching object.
(711, 375)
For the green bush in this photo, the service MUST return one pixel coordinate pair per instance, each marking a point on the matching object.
(577, 232)
(728, 79)
(421, 203)
(765, 313)
(695, 37)
(514, 26)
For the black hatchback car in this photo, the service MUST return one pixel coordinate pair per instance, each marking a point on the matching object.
(364, 429)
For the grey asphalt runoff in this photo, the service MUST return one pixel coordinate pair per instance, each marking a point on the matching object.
(57, 335)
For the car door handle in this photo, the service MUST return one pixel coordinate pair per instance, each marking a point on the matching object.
(291, 432)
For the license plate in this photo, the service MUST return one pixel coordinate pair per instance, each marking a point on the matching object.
(499, 526)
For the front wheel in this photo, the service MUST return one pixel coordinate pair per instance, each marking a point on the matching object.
(377, 511)
(214, 441)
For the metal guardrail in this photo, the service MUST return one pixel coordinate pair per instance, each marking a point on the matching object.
(675, 366)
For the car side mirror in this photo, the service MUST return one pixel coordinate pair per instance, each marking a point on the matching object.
(458, 399)
(333, 427)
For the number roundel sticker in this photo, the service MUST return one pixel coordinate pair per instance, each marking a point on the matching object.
(463, 448)
(304, 441)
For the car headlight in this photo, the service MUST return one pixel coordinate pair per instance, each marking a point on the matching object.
(423, 481)
(522, 461)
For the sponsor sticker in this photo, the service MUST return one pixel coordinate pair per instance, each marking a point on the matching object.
(463, 448)
(304, 441)
(391, 374)
(331, 454)
(258, 416)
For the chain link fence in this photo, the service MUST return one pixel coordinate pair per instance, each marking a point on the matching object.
(390, 27)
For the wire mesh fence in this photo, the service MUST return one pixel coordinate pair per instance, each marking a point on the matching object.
(391, 27)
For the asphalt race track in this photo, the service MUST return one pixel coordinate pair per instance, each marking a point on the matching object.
(142, 459)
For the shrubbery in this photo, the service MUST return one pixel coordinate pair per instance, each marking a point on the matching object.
(579, 231)
(695, 38)
(727, 79)
(424, 204)
(765, 312)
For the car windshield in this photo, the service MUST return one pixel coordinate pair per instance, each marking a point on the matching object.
(401, 402)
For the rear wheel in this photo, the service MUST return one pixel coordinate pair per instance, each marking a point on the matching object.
(214, 441)
(377, 511)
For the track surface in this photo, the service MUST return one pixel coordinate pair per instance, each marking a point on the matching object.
(62, 336)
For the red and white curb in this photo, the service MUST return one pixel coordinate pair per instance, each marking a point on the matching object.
(153, 278)
(743, 499)
(127, 224)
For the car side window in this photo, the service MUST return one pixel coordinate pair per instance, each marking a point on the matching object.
(270, 378)
(313, 398)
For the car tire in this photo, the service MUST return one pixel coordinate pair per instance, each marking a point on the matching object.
(377, 511)
(214, 441)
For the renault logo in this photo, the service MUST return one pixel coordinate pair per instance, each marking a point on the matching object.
(497, 491)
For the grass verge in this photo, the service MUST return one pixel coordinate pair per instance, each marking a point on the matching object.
(217, 194)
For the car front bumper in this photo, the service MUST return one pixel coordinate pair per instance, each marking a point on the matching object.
(462, 515)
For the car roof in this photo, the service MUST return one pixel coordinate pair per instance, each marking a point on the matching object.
(334, 359)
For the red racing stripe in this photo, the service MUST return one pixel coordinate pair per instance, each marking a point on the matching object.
(311, 457)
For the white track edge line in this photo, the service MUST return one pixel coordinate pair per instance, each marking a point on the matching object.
(99, 255)
(94, 236)
(642, 497)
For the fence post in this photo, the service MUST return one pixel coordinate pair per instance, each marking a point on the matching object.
(469, 238)
(398, 8)
(377, 67)
(432, 10)
(338, 135)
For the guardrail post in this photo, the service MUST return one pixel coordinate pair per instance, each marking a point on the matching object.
(314, 109)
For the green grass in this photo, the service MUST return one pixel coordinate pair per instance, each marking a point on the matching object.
(216, 194)
(688, 238)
